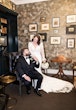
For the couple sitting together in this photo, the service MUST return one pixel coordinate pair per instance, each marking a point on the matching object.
(29, 67)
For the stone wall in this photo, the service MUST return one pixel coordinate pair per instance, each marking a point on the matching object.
(33, 12)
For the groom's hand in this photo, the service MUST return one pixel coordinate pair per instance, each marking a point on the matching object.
(26, 77)
(35, 58)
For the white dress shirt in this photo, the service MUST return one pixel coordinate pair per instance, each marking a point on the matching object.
(27, 60)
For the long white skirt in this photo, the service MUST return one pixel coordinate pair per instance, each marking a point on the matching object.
(51, 84)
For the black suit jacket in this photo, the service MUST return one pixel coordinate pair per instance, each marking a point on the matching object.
(22, 67)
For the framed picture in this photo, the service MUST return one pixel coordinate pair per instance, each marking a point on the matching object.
(13, 7)
(55, 31)
(42, 19)
(31, 37)
(71, 19)
(33, 27)
(45, 27)
(7, 3)
(0, 1)
(55, 22)
(70, 42)
(55, 40)
(71, 29)
(43, 36)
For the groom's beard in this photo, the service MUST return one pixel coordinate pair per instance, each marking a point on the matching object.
(28, 54)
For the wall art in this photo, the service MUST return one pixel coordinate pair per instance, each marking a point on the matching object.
(0, 1)
(55, 31)
(43, 36)
(71, 19)
(31, 37)
(71, 29)
(70, 42)
(55, 22)
(42, 19)
(55, 40)
(45, 27)
(33, 27)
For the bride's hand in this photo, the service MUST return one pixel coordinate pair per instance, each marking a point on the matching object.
(44, 61)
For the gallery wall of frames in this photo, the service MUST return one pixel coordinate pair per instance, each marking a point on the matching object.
(55, 21)
(55, 40)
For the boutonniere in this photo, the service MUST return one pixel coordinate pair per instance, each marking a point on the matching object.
(31, 59)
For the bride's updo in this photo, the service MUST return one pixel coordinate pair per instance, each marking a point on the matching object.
(38, 36)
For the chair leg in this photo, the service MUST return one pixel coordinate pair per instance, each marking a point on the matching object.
(73, 76)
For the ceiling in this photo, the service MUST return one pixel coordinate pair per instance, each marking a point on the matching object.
(18, 2)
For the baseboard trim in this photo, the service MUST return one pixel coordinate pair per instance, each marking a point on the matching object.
(54, 71)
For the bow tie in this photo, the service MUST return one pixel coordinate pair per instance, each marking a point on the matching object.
(27, 57)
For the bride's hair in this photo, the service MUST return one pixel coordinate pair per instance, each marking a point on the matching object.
(38, 36)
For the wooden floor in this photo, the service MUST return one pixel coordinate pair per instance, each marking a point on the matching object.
(48, 101)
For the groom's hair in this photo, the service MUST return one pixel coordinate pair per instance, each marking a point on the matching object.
(38, 36)
(22, 50)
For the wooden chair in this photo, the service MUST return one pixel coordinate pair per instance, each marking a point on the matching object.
(20, 82)
(13, 64)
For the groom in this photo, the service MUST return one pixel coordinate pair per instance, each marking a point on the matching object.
(26, 68)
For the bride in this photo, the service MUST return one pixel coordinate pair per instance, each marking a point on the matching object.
(49, 84)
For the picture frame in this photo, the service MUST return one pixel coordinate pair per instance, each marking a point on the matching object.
(31, 36)
(70, 43)
(55, 31)
(33, 27)
(42, 19)
(55, 40)
(13, 7)
(71, 29)
(55, 22)
(43, 36)
(71, 18)
(0, 1)
(45, 26)
(7, 3)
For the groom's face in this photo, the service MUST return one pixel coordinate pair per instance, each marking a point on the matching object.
(26, 52)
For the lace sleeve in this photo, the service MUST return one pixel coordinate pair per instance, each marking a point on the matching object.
(29, 47)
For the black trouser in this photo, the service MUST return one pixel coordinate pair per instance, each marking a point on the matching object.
(34, 75)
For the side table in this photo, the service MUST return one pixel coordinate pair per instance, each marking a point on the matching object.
(60, 60)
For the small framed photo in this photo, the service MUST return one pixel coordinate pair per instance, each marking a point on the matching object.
(71, 19)
(55, 22)
(55, 40)
(70, 42)
(0, 1)
(43, 36)
(71, 29)
(33, 27)
(45, 27)
(31, 37)
(55, 31)
(14, 7)
(42, 19)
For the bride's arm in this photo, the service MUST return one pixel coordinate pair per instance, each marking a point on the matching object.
(30, 47)
(31, 51)
(42, 52)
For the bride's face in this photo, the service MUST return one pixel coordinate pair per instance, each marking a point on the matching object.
(35, 40)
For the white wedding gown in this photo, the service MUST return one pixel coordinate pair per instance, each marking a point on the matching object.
(49, 84)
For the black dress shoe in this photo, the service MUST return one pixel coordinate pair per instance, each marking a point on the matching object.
(28, 92)
(37, 92)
